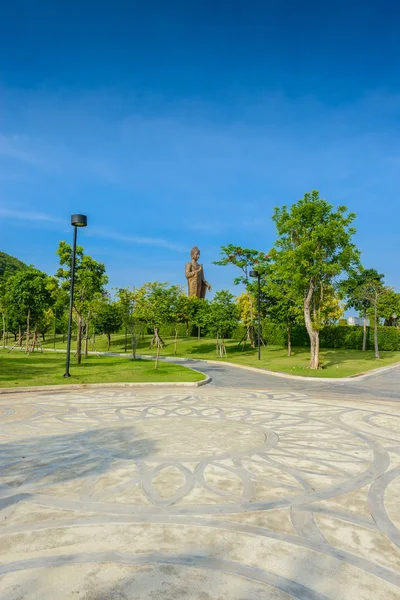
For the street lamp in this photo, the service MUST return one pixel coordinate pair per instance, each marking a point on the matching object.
(76, 221)
(257, 275)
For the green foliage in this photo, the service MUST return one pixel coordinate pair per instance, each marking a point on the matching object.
(127, 300)
(153, 304)
(28, 291)
(333, 336)
(243, 258)
(314, 243)
(223, 315)
(351, 287)
(389, 306)
(314, 247)
(90, 277)
(9, 265)
(109, 319)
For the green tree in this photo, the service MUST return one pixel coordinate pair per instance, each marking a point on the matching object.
(222, 317)
(197, 311)
(358, 280)
(373, 292)
(109, 320)
(178, 304)
(182, 311)
(281, 303)
(29, 296)
(153, 307)
(90, 279)
(127, 300)
(313, 249)
(389, 307)
(244, 259)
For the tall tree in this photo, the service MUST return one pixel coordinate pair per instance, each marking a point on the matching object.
(314, 247)
(223, 317)
(127, 299)
(90, 279)
(109, 319)
(358, 281)
(178, 309)
(31, 291)
(281, 303)
(373, 292)
(153, 307)
(244, 259)
(389, 307)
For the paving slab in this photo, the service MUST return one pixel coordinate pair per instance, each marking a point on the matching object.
(216, 493)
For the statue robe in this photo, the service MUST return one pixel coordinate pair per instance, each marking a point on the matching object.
(197, 285)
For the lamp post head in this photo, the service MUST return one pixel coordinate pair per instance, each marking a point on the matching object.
(79, 220)
(253, 274)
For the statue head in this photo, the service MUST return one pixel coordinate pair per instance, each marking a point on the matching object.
(195, 253)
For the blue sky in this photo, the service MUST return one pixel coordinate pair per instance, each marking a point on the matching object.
(179, 123)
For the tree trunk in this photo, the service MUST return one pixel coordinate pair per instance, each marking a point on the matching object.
(198, 332)
(15, 337)
(364, 342)
(55, 332)
(176, 338)
(376, 329)
(43, 337)
(289, 340)
(87, 336)
(4, 330)
(35, 338)
(20, 336)
(28, 320)
(313, 334)
(126, 340)
(157, 338)
(133, 343)
(79, 341)
(187, 328)
(108, 341)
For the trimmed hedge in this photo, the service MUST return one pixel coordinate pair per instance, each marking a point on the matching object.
(334, 336)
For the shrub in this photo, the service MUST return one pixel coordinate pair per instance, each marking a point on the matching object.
(334, 336)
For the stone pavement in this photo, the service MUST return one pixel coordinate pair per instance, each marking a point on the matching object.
(227, 493)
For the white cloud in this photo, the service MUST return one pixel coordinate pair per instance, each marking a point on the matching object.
(23, 215)
(133, 239)
(15, 146)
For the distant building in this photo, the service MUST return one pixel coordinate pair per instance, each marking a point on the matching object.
(356, 321)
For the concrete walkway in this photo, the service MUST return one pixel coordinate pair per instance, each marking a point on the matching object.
(252, 487)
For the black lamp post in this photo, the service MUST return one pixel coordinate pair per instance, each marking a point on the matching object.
(256, 274)
(76, 221)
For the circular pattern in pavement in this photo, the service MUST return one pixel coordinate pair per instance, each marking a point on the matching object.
(278, 489)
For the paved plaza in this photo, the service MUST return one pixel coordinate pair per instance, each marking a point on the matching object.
(291, 491)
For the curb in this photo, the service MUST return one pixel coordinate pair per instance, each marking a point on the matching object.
(283, 375)
(350, 378)
(91, 386)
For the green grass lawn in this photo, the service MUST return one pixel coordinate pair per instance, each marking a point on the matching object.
(19, 369)
(336, 362)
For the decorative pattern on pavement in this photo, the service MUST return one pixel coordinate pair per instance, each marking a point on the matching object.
(235, 494)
